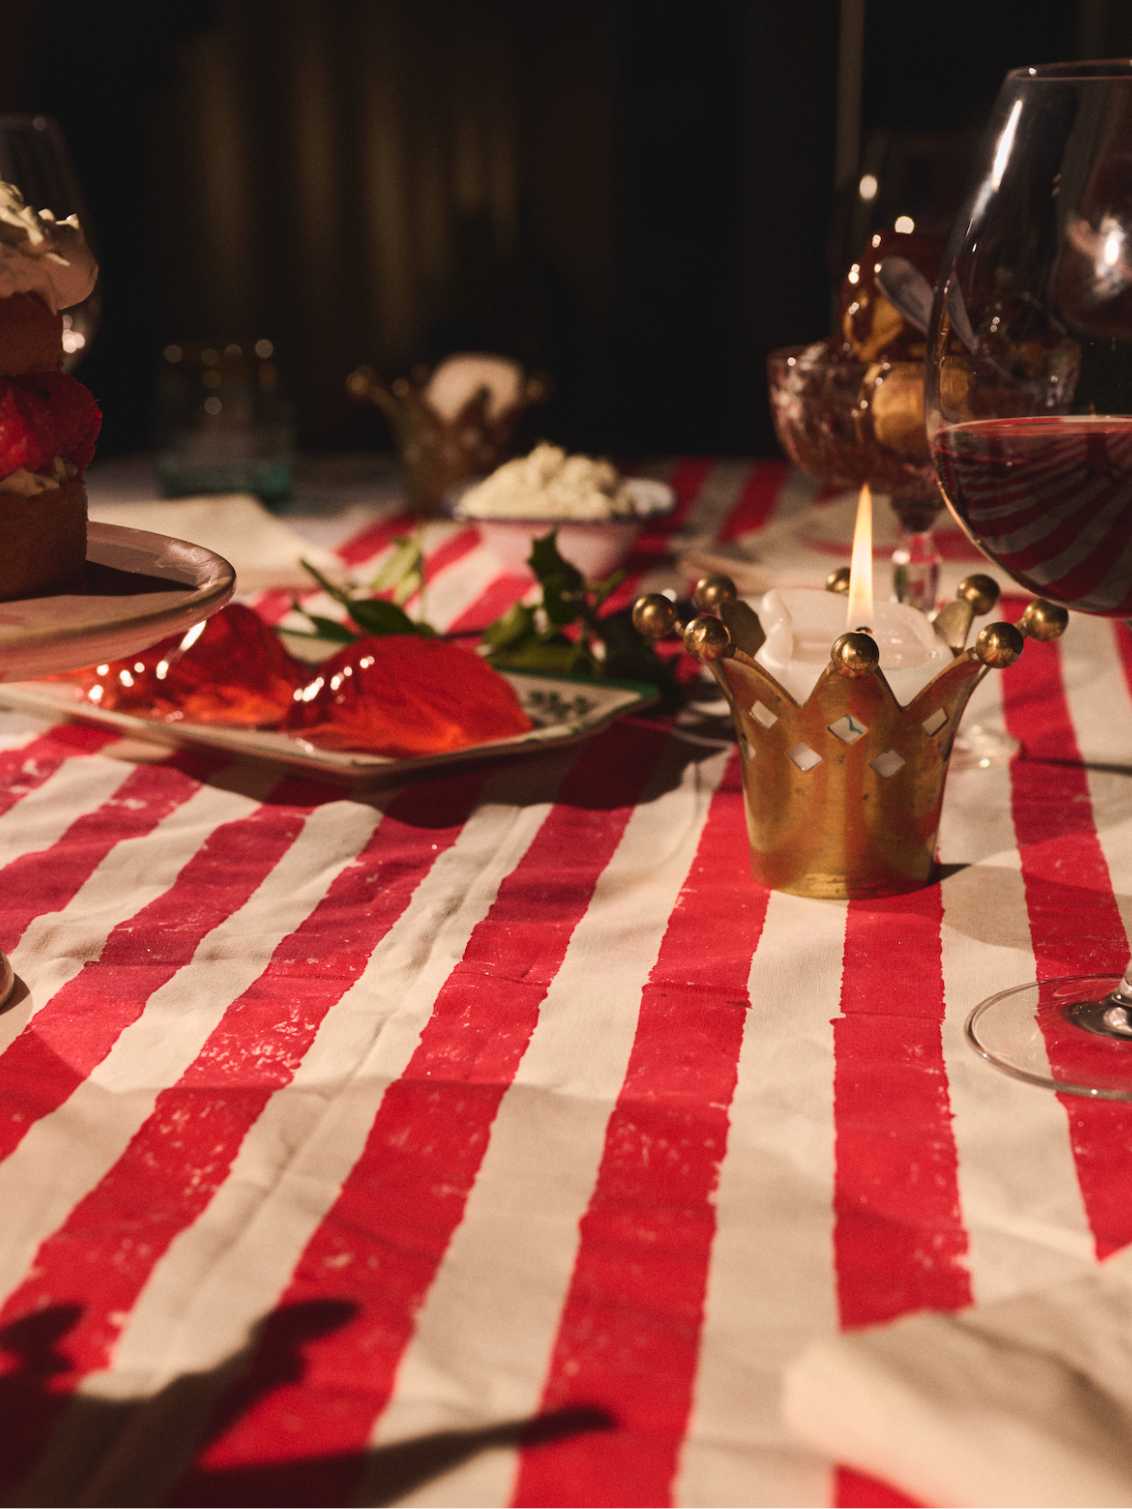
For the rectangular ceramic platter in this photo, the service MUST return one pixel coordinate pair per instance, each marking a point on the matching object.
(562, 710)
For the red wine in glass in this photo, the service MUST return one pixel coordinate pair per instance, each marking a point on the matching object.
(1050, 499)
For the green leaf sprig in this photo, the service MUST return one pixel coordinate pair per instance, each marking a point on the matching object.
(402, 575)
(534, 638)
(564, 634)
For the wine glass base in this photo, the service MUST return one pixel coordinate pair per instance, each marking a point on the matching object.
(1067, 1035)
(978, 746)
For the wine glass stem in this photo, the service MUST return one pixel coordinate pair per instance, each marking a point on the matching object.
(915, 571)
(1118, 1017)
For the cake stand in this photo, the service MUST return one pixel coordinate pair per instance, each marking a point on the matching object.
(138, 588)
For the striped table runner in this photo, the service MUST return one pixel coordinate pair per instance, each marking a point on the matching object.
(494, 1140)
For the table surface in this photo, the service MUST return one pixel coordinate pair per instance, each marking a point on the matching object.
(494, 1139)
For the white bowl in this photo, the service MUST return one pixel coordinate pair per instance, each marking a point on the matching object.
(596, 546)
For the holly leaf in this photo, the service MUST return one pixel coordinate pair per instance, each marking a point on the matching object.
(325, 628)
(557, 657)
(516, 624)
(546, 562)
(374, 615)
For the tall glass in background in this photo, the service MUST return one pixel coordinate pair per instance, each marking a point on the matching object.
(34, 157)
(1029, 410)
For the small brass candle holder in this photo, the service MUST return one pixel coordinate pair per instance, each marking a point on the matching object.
(843, 792)
(442, 448)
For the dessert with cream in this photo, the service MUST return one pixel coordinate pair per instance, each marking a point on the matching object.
(550, 484)
(49, 422)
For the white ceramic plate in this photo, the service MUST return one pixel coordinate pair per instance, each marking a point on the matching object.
(563, 711)
(138, 588)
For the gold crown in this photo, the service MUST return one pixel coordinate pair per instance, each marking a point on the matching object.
(440, 451)
(843, 791)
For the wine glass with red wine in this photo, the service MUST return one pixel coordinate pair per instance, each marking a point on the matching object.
(1029, 412)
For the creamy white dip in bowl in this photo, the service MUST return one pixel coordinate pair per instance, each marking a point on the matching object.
(598, 513)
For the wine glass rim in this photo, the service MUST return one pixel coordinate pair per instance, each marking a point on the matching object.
(1079, 72)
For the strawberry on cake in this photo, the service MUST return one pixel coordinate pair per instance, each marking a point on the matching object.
(48, 421)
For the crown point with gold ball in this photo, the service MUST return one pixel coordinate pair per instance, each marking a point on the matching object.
(707, 639)
(999, 645)
(838, 581)
(711, 592)
(855, 654)
(654, 615)
(978, 590)
(1044, 620)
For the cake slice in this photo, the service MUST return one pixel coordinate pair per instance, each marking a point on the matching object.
(49, 422)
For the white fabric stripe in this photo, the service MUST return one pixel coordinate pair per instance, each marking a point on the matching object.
(795, 496)
(38, 820)
(718, 494)
(131, 875)
(454, 591)
(771, 1283)
(17, 728)
(228, 1269)
(86, 1135)
(1018, 1186)
(519, 1235)
(433, 534)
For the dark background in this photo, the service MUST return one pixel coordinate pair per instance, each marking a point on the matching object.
(639, 198)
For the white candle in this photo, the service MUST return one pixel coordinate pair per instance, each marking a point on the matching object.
(801, 624)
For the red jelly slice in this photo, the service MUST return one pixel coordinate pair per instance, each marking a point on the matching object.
(230, 669)
(405, 695)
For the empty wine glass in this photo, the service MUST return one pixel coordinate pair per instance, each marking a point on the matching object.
(1029, 405)
(34, 157)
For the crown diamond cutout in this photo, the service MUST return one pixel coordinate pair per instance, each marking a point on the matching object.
(804, 757)
(848, 729)
(935, 722)
(888, 763)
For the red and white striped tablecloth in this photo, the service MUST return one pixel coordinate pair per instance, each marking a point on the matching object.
(494, 1140)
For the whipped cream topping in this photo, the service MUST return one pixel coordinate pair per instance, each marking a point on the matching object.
(39, 254)
(27, 484)
(551, 484)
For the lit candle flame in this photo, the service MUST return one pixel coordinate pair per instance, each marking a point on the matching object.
(859, 611)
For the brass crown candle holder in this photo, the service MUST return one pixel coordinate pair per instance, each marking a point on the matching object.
(453, 422)
(843, 791)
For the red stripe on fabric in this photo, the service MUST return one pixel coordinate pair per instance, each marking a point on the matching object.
(629, 1334)
(503, 593)
(25, 768)
(856, 1490)
(274, 605)
(686, 480)
(76, 1029)
(47, 879)
(376, 537)
(653, 546)
(757, 499)
(1075, 923)
(105, 1251)
(423, 1152)
(899, 1240)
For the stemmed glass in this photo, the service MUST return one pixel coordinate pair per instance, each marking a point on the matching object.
(1029, 410)
(845, 421)
(34, 157)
